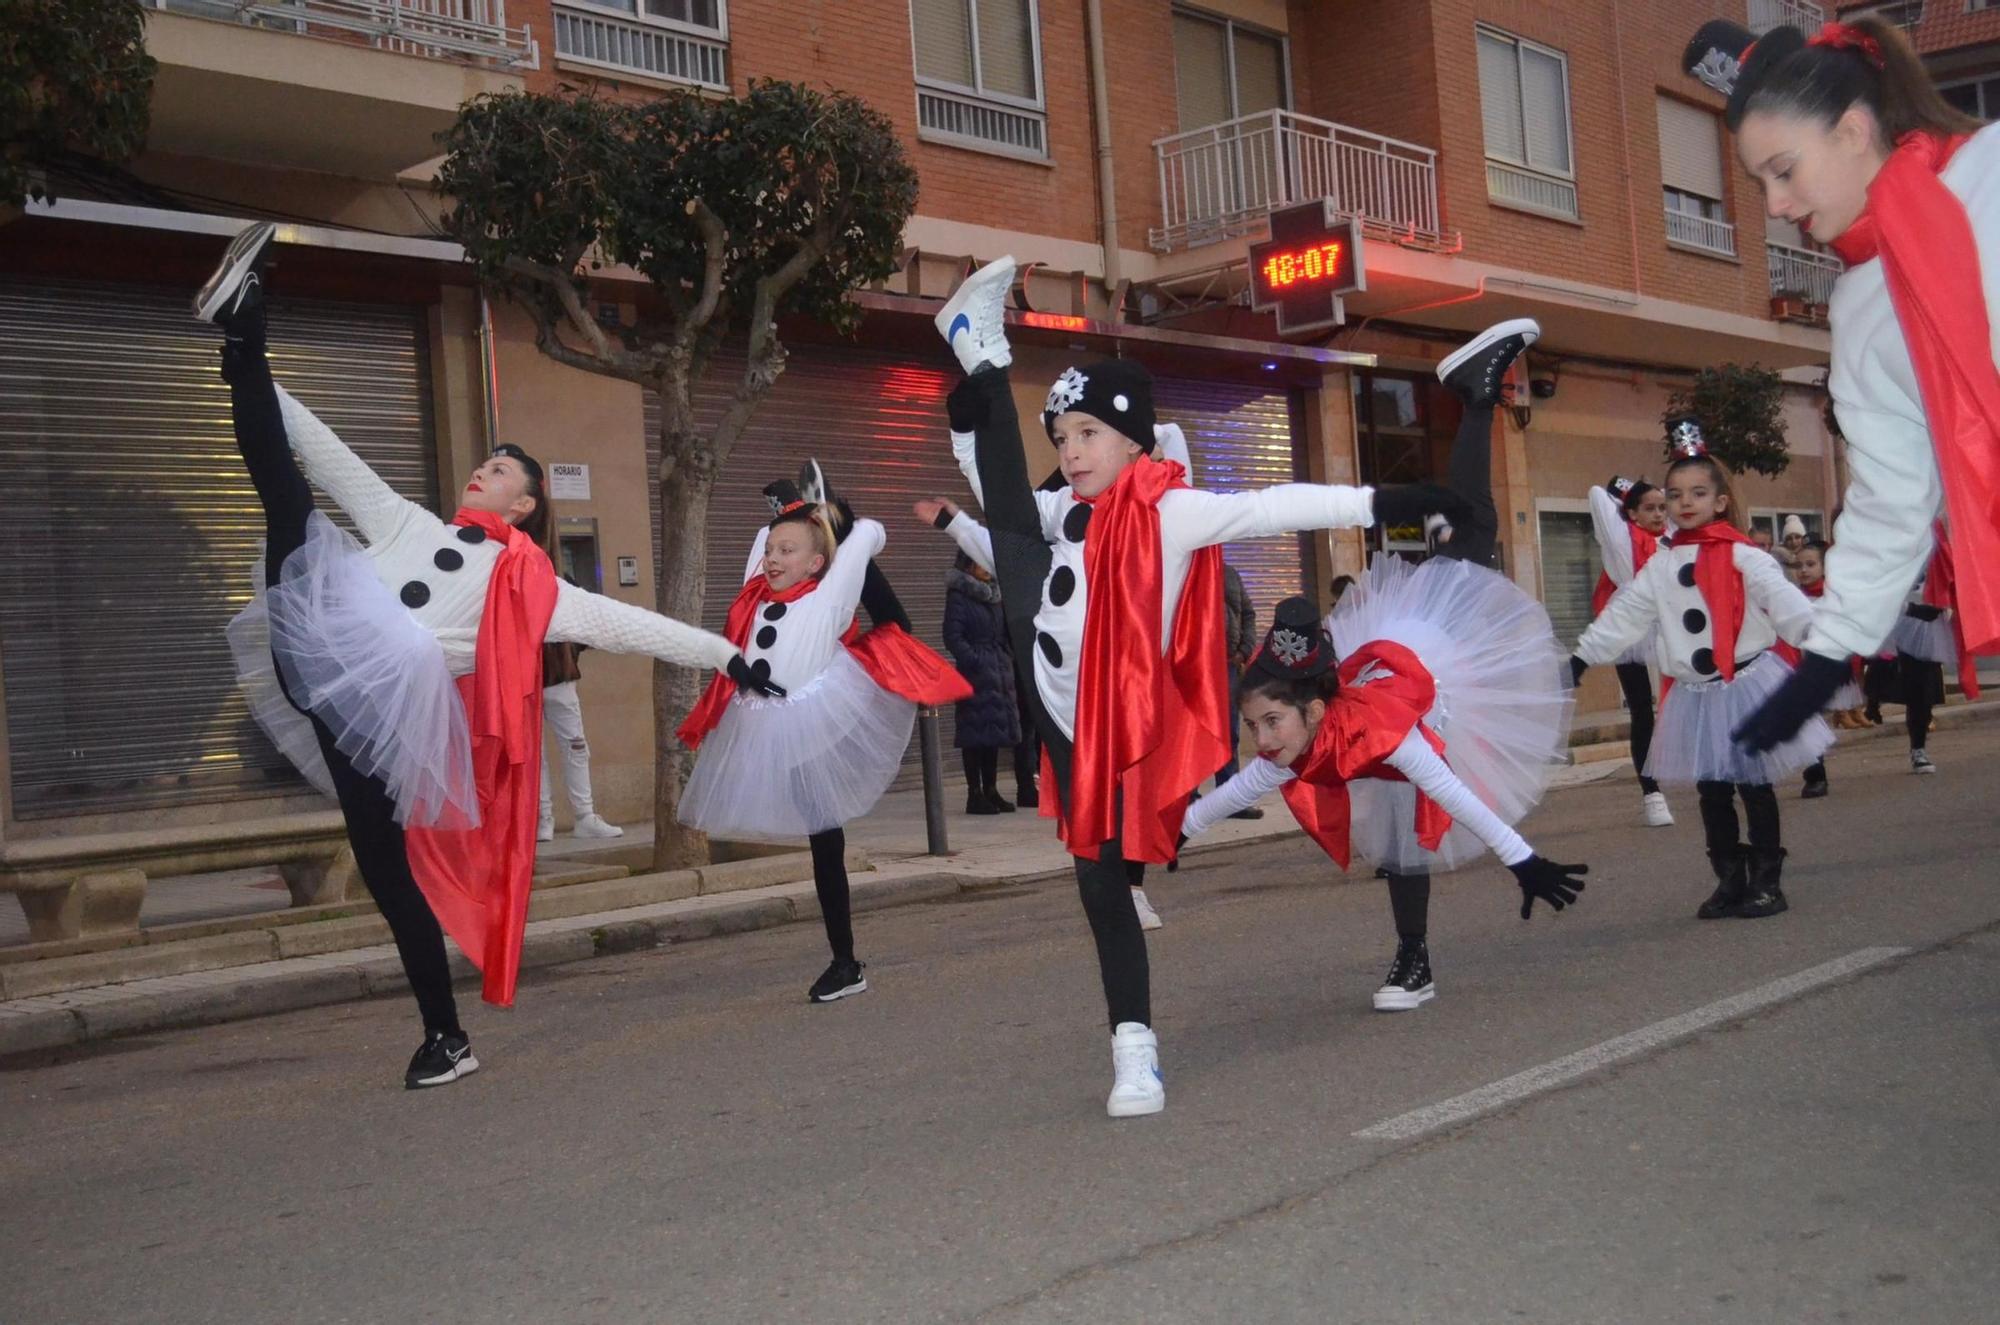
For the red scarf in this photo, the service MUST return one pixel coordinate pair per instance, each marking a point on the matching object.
(1931, 261)
(1788, 651)
(1364, 724)
(1644, 545)
(1149, 726)
(477, 879)
(1721, 585)
(1941, 591)
(889, 655)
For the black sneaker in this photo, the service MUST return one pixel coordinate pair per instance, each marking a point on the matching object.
(235, 278)
(839, 980)
(442, 1060)
(1028, 798)
(1248, 812)
(1408, 985)
(1474, 373)
(976, 803)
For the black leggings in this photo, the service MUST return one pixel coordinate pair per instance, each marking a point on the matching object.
(365, 805)
(829, 853)
(983, 404)
(1637, 683)
(1718, 814)
(1921, 680)
(982, 768)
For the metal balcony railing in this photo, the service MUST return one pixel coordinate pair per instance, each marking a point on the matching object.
(1223, 180)
(474, 31)
(1801, 273)
(1768, 14)
(1700, 232)
(654, 48)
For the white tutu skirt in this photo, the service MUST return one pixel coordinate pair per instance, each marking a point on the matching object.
(355, 656)
(776, 770)
(1932, 641)
(1847, 697)
(1502, 707)
(1693, 741)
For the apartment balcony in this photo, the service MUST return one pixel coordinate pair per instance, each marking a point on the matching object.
(345, 87)
(1221, 182)
(1701, 234)
(1801, 14)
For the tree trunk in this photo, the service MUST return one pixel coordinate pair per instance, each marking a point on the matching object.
(686, 477)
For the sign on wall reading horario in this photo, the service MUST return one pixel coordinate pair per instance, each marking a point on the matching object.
(568, 482)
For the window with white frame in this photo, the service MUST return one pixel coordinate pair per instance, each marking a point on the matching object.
(677, 41)
(1224, 70)
(979, 75)
(1977, 97)
(1691, 177)
(1772, 522)
(1524, 102)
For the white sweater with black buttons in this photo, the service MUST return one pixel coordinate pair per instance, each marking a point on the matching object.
(1664, 594)
(440, 571)
(801, 637)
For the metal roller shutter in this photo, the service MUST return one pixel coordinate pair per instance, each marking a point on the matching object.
(1240, 437)
(128, 529)
(877, 425)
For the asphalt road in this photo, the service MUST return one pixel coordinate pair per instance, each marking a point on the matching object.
(678, 1136)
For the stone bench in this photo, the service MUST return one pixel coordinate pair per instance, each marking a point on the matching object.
(93, 884)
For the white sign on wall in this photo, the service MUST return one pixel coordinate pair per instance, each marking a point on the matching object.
(569, 482)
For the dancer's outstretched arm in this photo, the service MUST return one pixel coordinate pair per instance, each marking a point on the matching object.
(1629, 615)
(583, 617)
(1416, 761)
(1764, 583)
(1607, 521)
(1257, 780)
(1192, 518)
(334, 469)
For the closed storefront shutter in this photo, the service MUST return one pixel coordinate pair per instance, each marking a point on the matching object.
(128, 529)
(1240, 438)
(1571, 564)
(877, 426)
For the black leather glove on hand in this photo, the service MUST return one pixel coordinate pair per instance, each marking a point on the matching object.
(1923, 611)
(757, 677)
(1804, 693)
(1409, 503)
(1577, 667)
(1555, 884)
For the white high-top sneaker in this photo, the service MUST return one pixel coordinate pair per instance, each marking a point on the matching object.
(594, 825)
(545, 830)
(1657, 813)
(1137, 1088)
(973, 321)
(1148, 917)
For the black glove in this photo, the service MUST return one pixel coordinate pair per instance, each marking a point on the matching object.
(1555, 884)
(1409, 503)
(757, 676)
(1923, 611)
(1577, 667)
(1174, 865)
(1804, 693)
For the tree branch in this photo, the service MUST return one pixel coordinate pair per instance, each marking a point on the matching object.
(716, 241)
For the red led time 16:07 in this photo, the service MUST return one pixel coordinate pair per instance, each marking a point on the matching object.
(1311, 264)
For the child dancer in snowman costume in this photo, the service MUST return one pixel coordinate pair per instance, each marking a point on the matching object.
(1629, 517)
(408, 674)
(1113, 594)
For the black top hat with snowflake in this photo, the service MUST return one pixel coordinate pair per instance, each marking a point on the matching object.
(1734, 60)
(1295, 648)
(787, 503)
(1628, 491)
(1116, 391)
(1684, 437)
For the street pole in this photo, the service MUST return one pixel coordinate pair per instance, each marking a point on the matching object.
(927, 735)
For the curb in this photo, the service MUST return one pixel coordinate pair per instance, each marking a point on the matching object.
(50, 1022)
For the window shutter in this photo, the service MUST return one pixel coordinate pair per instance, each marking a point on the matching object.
(1201, 71)
(1570, 566)
(1690, 149)
(1500, 98)
(943, 31)
(1007, 48)
(1260, 73)
(1778, 231)
(1545, 111)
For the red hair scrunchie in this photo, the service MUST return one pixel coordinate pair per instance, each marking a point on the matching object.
(1847, 37)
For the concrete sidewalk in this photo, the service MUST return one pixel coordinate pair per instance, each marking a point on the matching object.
(987, 852)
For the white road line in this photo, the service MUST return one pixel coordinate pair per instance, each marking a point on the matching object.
(1569, 1067)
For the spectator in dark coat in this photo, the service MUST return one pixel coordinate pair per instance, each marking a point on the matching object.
(976, 636)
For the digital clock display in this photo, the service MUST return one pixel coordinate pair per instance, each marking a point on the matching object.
(1320, 262)
(1312, 258)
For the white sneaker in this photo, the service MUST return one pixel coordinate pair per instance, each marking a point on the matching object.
(974, 322)
(1656, 811)
(1148, 917)
(1137, 1088)
(1920, 762)
(545, 831)
(593, 825)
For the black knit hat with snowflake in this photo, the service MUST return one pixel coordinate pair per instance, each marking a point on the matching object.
(1296, 647)
(1118, 392)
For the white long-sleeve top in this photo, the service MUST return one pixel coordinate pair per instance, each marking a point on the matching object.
(440, 571)
(800, 638)
(973, 539)
(1883, 536)
(1189, 521)
(1614, 536)
(1664, 594)
(1414, 759)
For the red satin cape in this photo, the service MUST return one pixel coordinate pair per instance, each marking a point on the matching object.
(477, 879)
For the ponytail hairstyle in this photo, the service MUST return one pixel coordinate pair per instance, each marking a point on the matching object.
(1718, 475)
(1865, 61)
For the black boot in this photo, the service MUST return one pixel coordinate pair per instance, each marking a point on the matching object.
(1765, 897)
(1815, 782)
(1732, 867)
(976, 802)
